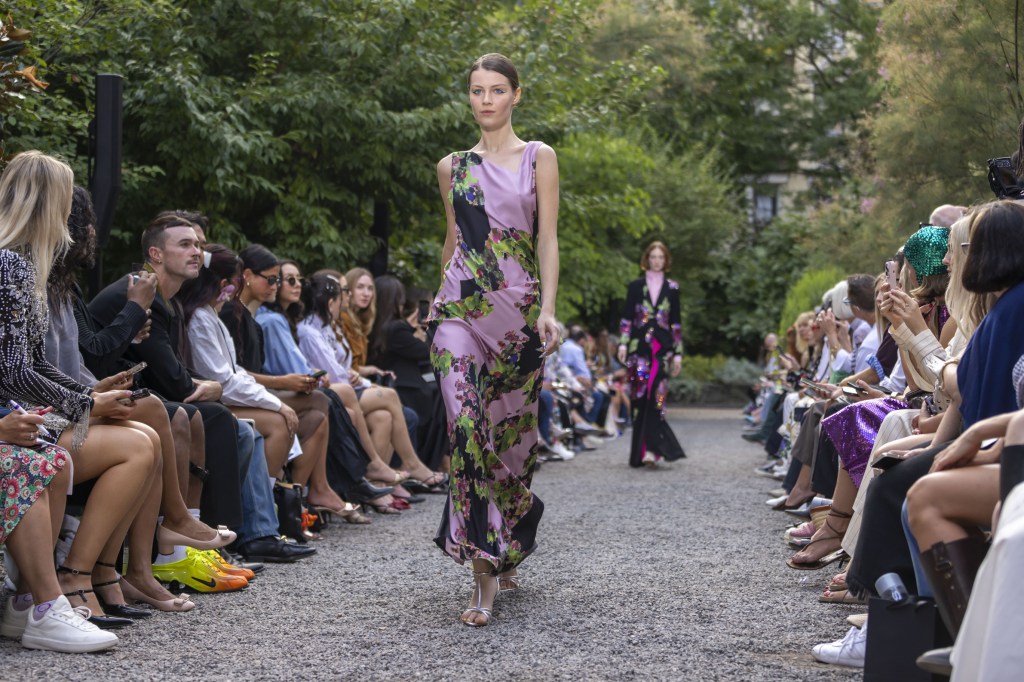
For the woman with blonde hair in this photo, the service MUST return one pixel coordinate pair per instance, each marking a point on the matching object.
(35, 202)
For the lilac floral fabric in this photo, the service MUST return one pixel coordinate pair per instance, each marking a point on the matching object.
(486, 355)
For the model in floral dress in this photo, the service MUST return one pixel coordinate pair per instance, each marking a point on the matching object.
(492, 318)
(652, 347)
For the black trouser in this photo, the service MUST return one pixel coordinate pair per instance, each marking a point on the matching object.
(221, 503)
(825, 469)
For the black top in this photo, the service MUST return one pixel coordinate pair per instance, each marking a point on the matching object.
(247, 335)
(25, 374)
(644, 320)
(165, 351)
(103, 350)
(404, 354)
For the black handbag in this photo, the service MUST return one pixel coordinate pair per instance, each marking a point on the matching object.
(288, 498)
(899, 632)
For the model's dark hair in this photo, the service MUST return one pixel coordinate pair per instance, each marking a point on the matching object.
(319, 291)
(860, 290)
(64, 274)
(294, 312)
(153, 235)
(995, 259)
(390, 304)
(195, 217)
(498, 63)
(195, 293)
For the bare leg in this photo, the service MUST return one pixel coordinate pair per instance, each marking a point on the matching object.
(320, 492)
(197, 455)
(379, 424)
(376, 469)
(941, 506)
(828, 538)
(181, 437)
(150, 417)
(378, 398)
(489, 588)
(121, 460)
(33, 557)
(275, 434)
(802, 488)
(58, 501)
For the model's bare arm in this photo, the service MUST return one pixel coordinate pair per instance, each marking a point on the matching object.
(547, 244)
(444, 185)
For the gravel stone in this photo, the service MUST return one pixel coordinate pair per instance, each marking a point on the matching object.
(675, 574)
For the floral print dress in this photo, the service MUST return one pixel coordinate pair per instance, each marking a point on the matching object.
(486, 355)
(653, 333)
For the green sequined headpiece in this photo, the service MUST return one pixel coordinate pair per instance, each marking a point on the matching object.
(926, 248)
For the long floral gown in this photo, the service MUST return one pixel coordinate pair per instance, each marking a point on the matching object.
(653, 333)
(487, 357)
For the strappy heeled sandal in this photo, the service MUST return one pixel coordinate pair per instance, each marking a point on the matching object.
(507, 583)
(105, 622)
(113, 608)
(478, 579)
(832, 557)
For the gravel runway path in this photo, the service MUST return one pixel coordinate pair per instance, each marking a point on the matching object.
(675, 574)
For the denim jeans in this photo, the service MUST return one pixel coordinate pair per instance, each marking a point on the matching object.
(259, 518)
(923, 588)
(595, 411)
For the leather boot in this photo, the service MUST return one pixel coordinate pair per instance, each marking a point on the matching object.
(1011, 469)
(951, 568)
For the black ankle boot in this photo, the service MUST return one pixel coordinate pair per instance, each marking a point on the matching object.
(951, 568)
(1011, 469)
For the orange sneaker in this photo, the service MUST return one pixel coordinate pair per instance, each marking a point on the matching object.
(222, 565)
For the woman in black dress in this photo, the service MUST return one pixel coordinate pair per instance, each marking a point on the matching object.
(651, 348)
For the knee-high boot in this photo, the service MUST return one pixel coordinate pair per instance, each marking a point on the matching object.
(951, 568)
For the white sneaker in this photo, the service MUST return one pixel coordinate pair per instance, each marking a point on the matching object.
(63, 628)
(565, 453)
(592, 441)
(848, 651)
(13, 626)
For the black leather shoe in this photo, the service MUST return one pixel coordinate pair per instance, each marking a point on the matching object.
(274, 550)
(364, 492)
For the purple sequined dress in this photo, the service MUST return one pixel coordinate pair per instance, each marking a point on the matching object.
(653, 333)
(853, 431)
(486, 355)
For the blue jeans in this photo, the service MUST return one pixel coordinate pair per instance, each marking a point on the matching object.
(259, 519)
(923, 588)
(595, 411)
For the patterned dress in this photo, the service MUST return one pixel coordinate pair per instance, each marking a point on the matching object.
(24, 474)
(653, 333)
(486, 355)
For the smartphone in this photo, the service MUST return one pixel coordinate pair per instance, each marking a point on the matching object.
(852, 390)
(815, 386)
(424, 309)
(137, 394)
(132, 371)
(136, 269)
(318, 374)
(886, 462)
(892, 275)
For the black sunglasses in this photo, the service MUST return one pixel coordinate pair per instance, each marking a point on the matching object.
(293, 280)
(272, 280)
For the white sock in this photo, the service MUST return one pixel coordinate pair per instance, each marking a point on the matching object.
(177, 555)
(194, 513)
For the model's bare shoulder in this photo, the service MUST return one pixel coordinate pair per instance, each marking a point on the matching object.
(545, 154)
(444, 166)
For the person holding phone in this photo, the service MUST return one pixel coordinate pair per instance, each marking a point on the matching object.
(652, 349)
(495, 324)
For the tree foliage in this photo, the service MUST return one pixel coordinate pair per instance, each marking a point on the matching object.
(293, 124)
